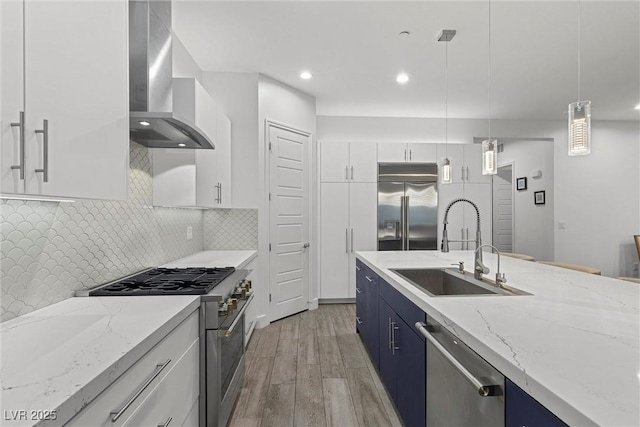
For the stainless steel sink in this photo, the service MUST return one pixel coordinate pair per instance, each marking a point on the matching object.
(449, 282)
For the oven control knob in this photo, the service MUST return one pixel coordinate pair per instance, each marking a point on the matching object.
(232, 302)
(223, 309)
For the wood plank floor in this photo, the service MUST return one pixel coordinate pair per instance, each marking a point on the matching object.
(311, 369)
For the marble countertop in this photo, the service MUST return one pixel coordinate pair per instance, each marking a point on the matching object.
(62, 356)
(210, 259)
(573, 344)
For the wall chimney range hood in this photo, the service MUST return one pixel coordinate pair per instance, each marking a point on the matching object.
(154, 119)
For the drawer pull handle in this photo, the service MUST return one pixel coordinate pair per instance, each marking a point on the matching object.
(118, 412)
(166, 423)
(369, 279)
(358, 320)
(358, 290)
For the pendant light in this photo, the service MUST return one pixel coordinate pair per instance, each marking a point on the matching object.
(579, 116)
(446, 172)
(489, 146)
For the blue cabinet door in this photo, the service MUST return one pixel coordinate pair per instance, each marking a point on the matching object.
(411, 386)
(388, 369)
(523, 410)
(367, 310)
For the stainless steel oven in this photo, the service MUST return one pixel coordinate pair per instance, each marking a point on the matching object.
(222, 356)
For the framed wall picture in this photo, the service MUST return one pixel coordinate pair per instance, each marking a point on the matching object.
(538, 197)
(521, 183)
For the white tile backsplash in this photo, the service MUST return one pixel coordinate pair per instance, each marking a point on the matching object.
(48, 250)
(230, 229)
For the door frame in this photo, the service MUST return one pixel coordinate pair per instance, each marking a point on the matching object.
(513, 202)
(312, 251)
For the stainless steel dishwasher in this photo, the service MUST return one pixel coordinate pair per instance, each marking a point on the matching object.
(462, 388)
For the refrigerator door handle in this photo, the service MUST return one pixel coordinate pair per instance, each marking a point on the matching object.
(352, 239)
(405, 220)
(402, 236)
(346, 240)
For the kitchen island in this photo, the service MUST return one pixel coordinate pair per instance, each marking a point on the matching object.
(573, 344)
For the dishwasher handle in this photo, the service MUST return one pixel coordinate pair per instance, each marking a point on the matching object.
(484, 390)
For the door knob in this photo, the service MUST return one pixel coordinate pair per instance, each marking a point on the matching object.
(305, 246)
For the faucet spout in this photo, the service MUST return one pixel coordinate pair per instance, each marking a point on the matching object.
(445, 238)
(479, 268)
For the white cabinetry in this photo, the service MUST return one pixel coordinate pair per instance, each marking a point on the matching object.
(163, 384)
(412, 152)
(348, 213)
(73, 139)
(348, 162)
(251, 313)
(466, 161)
(195, 178)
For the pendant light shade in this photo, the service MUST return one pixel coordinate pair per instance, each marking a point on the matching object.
(489, 157)
(446, 171)
(579, 128)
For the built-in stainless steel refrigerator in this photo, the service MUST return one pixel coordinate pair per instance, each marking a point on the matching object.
(407, 206)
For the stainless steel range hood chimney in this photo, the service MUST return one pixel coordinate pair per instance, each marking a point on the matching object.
(153, 121)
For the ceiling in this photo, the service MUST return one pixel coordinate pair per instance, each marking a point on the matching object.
(354, 50)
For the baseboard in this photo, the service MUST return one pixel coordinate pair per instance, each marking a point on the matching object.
(337, 301)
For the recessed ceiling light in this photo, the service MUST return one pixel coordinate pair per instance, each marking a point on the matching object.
(404, 33)
(144, 123)
(402, 78)
(182, 145)
(305, 75)
(638, 107)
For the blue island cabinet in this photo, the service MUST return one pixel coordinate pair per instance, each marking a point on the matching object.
(523, 410)
(402, 355)
(367, 309)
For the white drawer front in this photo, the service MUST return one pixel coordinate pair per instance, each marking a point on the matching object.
(115, 397)
(173, 397)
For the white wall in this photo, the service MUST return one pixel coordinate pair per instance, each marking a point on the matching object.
(533, 224)
(183, 63)
(285, 105)
(598, 196)
(237, 95)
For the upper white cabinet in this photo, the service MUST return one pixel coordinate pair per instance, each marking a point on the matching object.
(466, 160)
(64, 98)
(348, 162)
(195, 177)
(413, 152)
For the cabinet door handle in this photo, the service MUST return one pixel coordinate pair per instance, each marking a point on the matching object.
(462, 173)
(358, 268)
(358, 320)
(358, 290)
(351, 172)
(220, 193)
(389, 333)
(369, 279)
(467, 238)
(410, 155)
(394, 328)
(405, 154)
(166, 423)
(346, 240)
(117, 413)
(352, 240)
(20, 124)
(467, 170)
(45, 150)
(346, 173)
(483, 389)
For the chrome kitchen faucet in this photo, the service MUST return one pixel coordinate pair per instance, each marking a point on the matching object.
(479, 268)
(445, 239)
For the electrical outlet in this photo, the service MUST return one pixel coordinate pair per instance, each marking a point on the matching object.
(562, 225)
(189, 233)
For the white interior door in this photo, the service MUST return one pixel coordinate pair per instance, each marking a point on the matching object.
(289, 221)
(503, 209)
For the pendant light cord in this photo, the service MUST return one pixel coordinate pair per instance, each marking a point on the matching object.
(579, 56)
(446, 98)
(489, 73)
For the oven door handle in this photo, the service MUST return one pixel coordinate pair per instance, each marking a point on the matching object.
(229, 331)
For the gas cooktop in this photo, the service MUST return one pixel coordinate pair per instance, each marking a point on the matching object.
(166, 281)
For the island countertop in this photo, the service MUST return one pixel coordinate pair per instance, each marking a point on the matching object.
(574, 344)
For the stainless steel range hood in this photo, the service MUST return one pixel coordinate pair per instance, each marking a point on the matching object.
(153, 120)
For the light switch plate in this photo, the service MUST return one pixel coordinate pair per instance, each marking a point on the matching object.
(562, 225)
(189, 233)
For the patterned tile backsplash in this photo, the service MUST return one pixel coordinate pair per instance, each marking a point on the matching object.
(230, 229)
(49, 249)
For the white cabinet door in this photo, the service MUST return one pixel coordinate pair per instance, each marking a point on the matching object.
(481, 195)
(446, 194)
(389, 152)
(335, 244)
(76, 78)
(334, 162)
(363, 160)
(11, 95)
(455, 153)
(473, 164)
(363, 216)
(422, 152)
(207, 178)
(223, 148)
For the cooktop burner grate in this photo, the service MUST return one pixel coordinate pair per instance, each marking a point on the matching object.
(167, 281)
